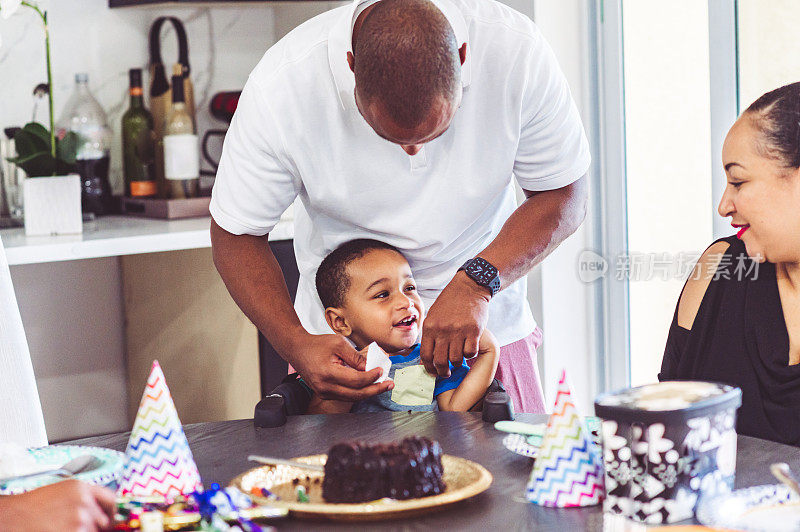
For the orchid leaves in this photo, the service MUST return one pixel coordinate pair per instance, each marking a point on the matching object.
(33, 148)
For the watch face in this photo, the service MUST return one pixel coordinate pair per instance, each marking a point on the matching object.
(480, 270)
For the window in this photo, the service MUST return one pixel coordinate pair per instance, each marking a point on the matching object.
(769, 47)
(668, 165)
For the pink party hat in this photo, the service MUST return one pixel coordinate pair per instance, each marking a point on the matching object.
(568, 471)
(158, 458)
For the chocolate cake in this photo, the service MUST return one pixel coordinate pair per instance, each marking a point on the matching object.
(357, 472)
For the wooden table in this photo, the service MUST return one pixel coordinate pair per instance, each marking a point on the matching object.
(221, 449)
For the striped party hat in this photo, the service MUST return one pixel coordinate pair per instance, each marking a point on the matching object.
(158, 458)
(568, 471)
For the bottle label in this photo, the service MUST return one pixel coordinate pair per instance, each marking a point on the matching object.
(181, 157)
(143, 188)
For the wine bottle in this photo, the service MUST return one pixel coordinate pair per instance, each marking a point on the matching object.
(181, 148)
(138, 143)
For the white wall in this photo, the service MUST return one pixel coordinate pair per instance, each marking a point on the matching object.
(73, 318)
(566, 301)
(73, 311)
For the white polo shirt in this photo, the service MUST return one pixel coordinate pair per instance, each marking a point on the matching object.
(297, 132)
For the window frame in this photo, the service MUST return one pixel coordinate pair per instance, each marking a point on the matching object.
(609, 179)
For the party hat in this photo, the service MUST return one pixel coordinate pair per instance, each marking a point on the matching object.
(158, 458)
(568, 470)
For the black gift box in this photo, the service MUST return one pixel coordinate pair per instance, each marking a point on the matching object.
(665, 445)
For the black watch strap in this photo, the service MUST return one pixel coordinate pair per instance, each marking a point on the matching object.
(483, 273)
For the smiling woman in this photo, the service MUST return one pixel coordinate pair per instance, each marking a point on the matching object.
(738, 317)
(761, 155)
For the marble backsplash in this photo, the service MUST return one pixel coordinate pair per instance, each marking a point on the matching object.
(225, 43)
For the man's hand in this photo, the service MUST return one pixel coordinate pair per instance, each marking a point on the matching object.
(459, 315)
(334, 369)
(454, 325)
(69, 505)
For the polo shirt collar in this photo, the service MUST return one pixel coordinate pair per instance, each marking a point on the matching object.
(340, 41)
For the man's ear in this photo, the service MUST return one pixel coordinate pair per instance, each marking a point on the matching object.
(352, 60)
(462, 53)
(337, 322)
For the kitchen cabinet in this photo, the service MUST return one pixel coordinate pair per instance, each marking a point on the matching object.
(99, 307)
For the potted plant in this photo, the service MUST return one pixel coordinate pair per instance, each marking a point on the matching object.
(52, 191)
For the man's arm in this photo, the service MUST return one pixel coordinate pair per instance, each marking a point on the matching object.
(478, 378)
(535, 229)
(327, 362)
(458, 316)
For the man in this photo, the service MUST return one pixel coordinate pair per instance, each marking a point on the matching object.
(404, 121)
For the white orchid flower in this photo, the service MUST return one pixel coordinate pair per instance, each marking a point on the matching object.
(9, 7)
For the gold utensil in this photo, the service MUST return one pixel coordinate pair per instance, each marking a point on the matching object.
(268, 460)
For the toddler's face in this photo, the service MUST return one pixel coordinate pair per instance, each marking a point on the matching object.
(382, 304)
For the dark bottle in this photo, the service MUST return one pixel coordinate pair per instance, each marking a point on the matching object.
(223, 105)
(86, 118)
(138, 143)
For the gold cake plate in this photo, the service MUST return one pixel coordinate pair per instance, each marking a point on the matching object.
(464, 479)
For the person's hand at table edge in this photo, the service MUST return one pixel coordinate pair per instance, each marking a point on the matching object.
(334, 369)
(454, 324)
(67, 506)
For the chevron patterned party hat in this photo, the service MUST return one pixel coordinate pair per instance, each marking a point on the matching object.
(568, 471)
(158, 458)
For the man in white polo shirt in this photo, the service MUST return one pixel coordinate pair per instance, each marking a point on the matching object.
(405, 121)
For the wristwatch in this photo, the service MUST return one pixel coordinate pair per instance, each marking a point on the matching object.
(482, 272)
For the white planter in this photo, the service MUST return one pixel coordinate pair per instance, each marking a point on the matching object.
(52, 205)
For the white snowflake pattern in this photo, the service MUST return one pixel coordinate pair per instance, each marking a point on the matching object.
(623, 473)
(652, 511)
(669, 476)
(728, 420)
(682, 506)
(657, 444)
(700, 429)
(654, 519)
(652, 487)
(624, 454)
(610, 483)
(726, 454)
(610, 437)
(636, 489)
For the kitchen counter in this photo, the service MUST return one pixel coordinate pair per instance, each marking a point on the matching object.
(111, 236)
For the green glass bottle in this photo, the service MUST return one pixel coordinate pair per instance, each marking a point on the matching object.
(138, 143)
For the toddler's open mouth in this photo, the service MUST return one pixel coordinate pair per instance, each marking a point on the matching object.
(407, 322)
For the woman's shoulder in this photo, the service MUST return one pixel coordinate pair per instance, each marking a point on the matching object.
(705, 270)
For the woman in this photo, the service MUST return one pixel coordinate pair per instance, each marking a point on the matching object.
(738, 317)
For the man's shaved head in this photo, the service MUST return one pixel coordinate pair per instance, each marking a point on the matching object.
(406, 60)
